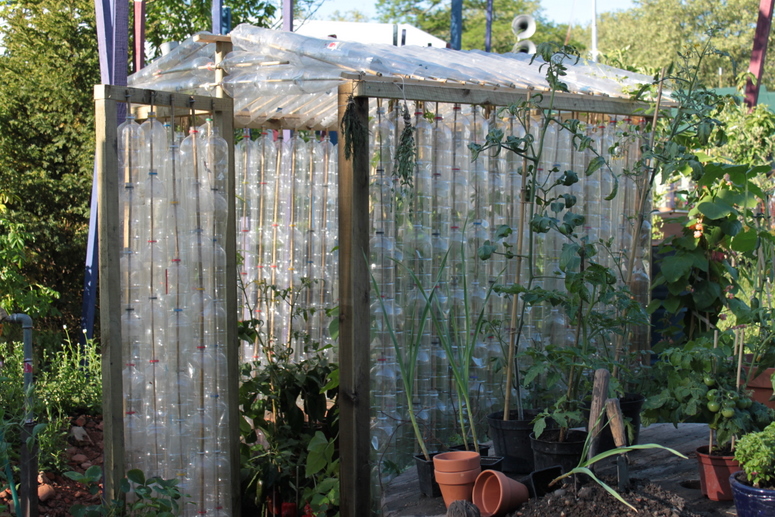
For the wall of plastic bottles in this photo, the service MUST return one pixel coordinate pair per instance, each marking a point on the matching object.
(173, 218)
(287, 227)
(454, 206)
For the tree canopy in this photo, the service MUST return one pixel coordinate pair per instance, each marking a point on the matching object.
(47, 75)
(654, 32)
(172, 20)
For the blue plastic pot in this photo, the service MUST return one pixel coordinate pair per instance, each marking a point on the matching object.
(750, 501)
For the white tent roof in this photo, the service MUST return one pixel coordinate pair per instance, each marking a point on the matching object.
(368, 32)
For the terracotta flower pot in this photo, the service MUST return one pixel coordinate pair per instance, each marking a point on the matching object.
(455, 461)
(761, 387)
(496, 494)
(457, 486)
(714, 474)
(456, 472)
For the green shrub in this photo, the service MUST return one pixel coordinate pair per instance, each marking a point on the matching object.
(756, 454)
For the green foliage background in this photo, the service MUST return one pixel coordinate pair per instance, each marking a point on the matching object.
(652, 34)
(47, 73)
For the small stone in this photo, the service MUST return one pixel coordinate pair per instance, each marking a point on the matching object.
(79, 458)
(586, 492)
(46, 492)
(559, 492)
(80, 434)
(567, 502)
(79, 494)
(462, 509)
(86, 464)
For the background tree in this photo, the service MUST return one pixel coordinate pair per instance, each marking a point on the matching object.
(353, 15)
(651, 35)
(172, 20)
(433, 16)
(47, 75)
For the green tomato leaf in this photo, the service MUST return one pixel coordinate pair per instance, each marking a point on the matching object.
(594, 164)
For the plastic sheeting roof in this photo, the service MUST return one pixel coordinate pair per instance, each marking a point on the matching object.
(275, 75)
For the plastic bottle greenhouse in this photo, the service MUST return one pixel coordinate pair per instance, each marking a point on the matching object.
(203, 224)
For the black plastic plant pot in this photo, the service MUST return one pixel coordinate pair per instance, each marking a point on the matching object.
(484, 450)
(548, 451)
(750, 501)
(427, 480)
(511, 439)
(492, 463)
(538, 483)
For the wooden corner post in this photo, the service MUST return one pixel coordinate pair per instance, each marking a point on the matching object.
(106, 162)
(354, 397)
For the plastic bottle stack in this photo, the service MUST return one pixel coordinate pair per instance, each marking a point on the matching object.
(173, 327)
(287, 231)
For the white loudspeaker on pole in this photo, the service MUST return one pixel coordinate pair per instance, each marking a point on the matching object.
(523, 26)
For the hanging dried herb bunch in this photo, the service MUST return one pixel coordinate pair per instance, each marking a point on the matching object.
(355, 133)
(405, 151)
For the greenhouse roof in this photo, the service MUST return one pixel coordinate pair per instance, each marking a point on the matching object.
(284, 79)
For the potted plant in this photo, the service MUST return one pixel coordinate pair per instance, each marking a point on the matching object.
(754, 486)
(700, 384)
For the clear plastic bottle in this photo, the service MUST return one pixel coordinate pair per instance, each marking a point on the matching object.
(461, 162)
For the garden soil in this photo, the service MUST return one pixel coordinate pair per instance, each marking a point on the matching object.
(590, 500)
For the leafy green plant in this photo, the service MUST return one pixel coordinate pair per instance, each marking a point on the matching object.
(285, 401)
(595, 298)
(16, 292)
(756, 454)
(71, 377)
(323, 468)
(699, 384)
(408, 350)
(152, 496)
(53, 423)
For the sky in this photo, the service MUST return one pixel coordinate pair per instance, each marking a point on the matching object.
(558, 11)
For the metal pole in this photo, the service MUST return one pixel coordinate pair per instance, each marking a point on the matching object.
(29, 454)
(488, 27)
(456, 25)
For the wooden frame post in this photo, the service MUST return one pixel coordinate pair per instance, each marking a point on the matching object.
(354, 396)
(106, 160)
